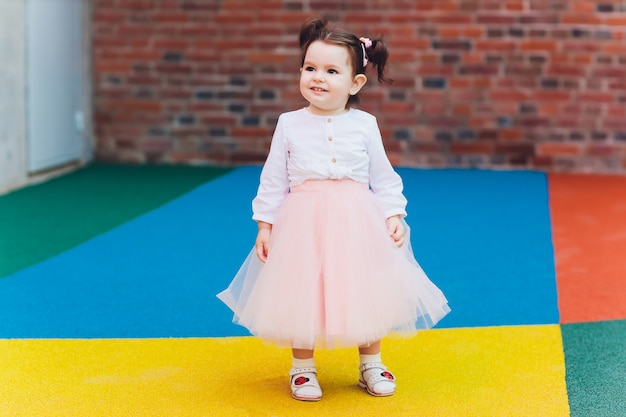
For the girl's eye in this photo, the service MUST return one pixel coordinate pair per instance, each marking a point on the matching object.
(332, 71)
(309, 69)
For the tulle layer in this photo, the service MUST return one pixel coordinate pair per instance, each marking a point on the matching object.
(333, 277)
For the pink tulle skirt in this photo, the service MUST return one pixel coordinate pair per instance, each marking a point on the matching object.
(333, 277)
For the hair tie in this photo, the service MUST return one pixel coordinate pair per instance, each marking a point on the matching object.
(365, 43)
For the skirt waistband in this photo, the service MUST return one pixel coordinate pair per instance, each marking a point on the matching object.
(329, 185)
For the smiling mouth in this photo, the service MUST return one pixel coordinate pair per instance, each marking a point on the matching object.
(317, 89)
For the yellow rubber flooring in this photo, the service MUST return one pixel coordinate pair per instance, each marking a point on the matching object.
(493, 371)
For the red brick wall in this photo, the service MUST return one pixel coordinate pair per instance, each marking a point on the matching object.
(483, 83)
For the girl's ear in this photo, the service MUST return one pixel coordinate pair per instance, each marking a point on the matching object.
(358, 82)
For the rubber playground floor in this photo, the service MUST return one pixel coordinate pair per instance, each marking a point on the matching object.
(108, 279)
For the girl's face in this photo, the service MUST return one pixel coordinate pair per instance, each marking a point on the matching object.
(327, 78)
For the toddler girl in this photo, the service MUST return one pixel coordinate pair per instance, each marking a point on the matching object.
(332, 265)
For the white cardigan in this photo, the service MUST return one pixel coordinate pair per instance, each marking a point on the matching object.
(306, 146)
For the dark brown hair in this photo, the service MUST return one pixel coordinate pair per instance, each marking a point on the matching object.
(321, 29)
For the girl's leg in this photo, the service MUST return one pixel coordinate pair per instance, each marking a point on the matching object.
(302, 353)
(374, 376)
(371, 349)
(303, 374)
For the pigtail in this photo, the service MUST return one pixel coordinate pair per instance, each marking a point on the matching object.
(377, 55)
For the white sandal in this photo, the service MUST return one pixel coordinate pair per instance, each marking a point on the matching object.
(304, 385)
(380, 374)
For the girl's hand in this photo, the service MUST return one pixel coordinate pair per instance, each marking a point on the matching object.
(396, 230)
(263, 241)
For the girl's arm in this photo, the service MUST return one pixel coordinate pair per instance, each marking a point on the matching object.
(272, 190)
(385, 183)
(274, 184)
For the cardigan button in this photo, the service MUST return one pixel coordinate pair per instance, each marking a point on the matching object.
(330, 138)
(329, 120)
(334, 160)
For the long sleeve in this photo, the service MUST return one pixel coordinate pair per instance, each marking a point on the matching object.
(385, 183)
(274, 184)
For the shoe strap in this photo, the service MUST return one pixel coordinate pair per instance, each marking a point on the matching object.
(372, 365)
(298, 371)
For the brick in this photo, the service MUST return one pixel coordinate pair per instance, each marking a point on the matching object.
(595, 97)
(508, 95)
(619, 21)
(434, 83)
(462, 109)
(488, 135)
(254, 132)
(515, 6)
(550, 109)
(580, 19)
(614, 48)
(582, 46)
(269, 57)
(470, 148)
(109, 42)
(551, 149)
(551, 96)
(500, 46)
(582, 7)
(197, 6)
(548, 46)
(108, 16)
(459, 45)
(449, 32)
(610, 72)
(108, 67)
(135, 30)
(459, 83)
(434, 70)
(433, 109)
(479, 70)
(473, 32)
(582, 59)
(565, 70)
(192, 31)
(141, 105)
(451, 18)
(495, 19)
(170, 17)
(424, 6)
(533, 122)
(447, 6)
(614, 123)
(167, 68)
(511, 134)
(603, 150)
(616, 111)
(234, 45)
(519, 149)
(171, 44)
(405, 18)
(481, 82)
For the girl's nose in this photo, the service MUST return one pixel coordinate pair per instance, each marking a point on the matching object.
(318, 76)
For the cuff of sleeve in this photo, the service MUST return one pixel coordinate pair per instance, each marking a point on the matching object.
(263, 218)
(395, 212)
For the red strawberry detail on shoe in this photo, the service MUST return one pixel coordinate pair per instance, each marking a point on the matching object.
(301, 380)
(388, 375)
